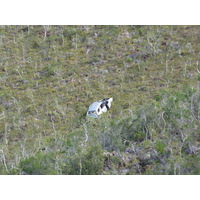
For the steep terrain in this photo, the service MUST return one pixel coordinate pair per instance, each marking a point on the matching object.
(49, 75)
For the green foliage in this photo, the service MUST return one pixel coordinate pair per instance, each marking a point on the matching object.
(87, 162)
(129, 59)
(40, 164)
(160, 147)
(157, 97)
(48, 71)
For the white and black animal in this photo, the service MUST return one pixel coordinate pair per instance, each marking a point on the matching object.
(99, 107)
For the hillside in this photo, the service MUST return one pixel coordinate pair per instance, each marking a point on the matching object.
(49, 75)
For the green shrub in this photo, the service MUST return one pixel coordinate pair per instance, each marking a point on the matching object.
(40, 164)
(160, 147)
(48, 71)
(88, 162)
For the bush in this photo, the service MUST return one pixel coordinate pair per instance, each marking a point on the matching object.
(88, 162)
(40, 164)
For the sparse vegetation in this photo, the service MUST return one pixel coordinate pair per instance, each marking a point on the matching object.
(49, 75)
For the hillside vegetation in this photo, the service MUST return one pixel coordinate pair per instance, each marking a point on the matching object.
(49, 75)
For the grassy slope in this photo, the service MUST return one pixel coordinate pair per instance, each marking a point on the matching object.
(51, 74)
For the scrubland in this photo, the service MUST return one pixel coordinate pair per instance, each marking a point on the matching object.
(49, 75)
